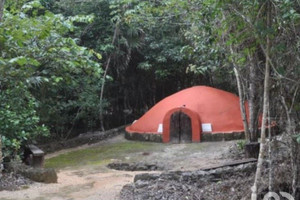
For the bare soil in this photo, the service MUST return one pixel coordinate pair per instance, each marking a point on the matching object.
(94, 181)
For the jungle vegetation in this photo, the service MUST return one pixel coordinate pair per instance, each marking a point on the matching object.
(72, 66)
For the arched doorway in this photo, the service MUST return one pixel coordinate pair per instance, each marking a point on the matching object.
(180, 128)
(181, 125)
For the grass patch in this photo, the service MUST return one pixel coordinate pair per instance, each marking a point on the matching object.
(101, 155)
(194, 147)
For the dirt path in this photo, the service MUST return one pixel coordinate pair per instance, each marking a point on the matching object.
(76, 184)
(96, 182)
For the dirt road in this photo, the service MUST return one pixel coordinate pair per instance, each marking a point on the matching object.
(89, 179)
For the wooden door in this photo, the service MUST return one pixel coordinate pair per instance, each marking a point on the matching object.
(175, 127)
(185, 128)
(180, 128)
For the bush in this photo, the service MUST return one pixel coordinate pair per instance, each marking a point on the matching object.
(241, 144)
(18, 120)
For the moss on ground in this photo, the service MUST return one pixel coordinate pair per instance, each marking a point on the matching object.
(194, 147)
(101, 155)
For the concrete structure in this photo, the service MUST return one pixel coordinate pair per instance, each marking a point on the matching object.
(192, 115)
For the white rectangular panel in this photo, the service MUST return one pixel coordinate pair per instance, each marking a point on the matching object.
(206, 127)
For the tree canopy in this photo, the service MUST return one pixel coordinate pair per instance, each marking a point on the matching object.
(73, 66)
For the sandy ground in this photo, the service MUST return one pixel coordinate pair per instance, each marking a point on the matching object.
(100, 183)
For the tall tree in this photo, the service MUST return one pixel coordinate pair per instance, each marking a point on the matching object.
(116, 43)
(46, 79)
(265, 103)
(242, 35)
(106, 68)
(1, 15)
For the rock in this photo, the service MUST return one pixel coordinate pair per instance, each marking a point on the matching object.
(146, 177)
(173, 175)
(40, 175)
(152, 167)
(141, 167)
(35, 174)
(222, 183)
(119, 166)
(187, 184)
(134, 166)
(141, 184)
(12, 181)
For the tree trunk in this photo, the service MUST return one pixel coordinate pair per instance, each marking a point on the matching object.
(271, 174)
(265, 111)
(295, 150)
(253, 110)
(242, 104)
(1, 9)
(242, 99)
(252, 150)
(104, 77)
(252, 146)
(102, 92)
(295, 158)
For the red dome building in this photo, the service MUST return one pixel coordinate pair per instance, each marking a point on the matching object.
(192, 115)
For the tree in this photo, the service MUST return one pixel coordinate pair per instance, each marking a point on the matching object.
(179, 43)
(265, 104)
(46, 79)
(285, 66)
(251, 35)
(116, 43)
(241, 35)
(1, 15)
(107, 64)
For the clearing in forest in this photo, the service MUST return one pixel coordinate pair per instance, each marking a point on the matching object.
(82, 171)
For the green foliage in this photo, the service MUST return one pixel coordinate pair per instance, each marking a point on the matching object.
(19, 122)
(241, 145)
(245, 35)
(45, 77)
(163, 39)
(159, 48)
(54, 50)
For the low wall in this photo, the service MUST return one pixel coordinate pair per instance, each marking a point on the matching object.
(222, 136)
(150, 137)
(205, 137)
(86, 138)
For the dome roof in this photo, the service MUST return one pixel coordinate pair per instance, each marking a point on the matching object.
(219, 108)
